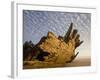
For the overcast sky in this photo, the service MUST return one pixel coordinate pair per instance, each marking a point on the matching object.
(36, 24)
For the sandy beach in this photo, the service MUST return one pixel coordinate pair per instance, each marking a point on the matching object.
(79, 62)
(76, 63)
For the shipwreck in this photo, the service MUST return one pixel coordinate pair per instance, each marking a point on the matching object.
(52, 50)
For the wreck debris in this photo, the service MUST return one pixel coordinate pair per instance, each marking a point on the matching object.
(67, 35)
(56, 50)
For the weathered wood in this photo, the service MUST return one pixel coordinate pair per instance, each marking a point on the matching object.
(56, 51)
(67, 35)
(78, 44)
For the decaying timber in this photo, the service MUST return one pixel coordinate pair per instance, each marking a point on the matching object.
(53, 50)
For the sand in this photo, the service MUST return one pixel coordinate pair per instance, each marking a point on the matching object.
(76, 63)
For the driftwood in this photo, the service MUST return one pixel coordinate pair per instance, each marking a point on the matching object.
(60, 50)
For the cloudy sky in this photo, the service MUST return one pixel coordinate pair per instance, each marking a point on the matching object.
(37, 23)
